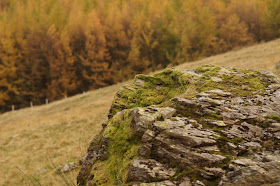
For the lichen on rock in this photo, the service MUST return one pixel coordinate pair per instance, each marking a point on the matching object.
(207, 126)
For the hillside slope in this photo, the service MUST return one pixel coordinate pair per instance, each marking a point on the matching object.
(259, 57)
(35, 139)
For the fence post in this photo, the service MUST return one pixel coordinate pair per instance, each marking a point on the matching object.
(13, 107)
(31, 104)
(65, 96)
(47, 101)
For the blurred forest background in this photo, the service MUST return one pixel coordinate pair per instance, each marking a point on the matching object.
(53, 48)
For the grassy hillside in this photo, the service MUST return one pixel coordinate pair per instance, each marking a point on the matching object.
(259, 57)
(61, 131)
(35, 138)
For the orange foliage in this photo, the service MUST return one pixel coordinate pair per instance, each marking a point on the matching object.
(53, 48)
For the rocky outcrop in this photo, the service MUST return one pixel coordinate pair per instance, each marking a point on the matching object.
(207, 126)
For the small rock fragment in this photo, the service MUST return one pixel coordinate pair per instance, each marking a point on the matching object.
(148, 136)
(215, 122)
(216, 79)
(139, 83)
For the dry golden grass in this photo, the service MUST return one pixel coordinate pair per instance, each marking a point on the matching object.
(259, 57)
(63, 129)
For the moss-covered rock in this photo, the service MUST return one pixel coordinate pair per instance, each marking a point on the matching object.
(186, 127)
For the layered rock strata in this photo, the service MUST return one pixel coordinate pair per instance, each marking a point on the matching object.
(207, 126)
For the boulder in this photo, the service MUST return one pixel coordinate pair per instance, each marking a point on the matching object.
(206, 126)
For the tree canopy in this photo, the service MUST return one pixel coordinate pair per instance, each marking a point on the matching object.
(53, 48)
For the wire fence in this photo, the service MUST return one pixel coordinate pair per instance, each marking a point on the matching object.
(13, 108)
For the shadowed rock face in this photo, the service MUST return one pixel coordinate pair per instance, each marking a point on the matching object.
(207, 126)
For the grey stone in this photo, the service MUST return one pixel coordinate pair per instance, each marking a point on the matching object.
(131, 89)
(270, 157)
(163, 183)
(215, 122)
(185, 157)
(213, 172)
(210, 101)
(233, 167)
(237, 100)
(191, 72)
(275, 127)
(168, 124)
(143, 118)
(148, 136)
(277, 135)
(216, 79)
(245, 131)
(67, 167)
(267, 73)
(139, 83)
(188, 139)
(158, 87)
(225, 71)
(218, 92)
(244, 162)
(213, 148)
(253, 175)
(145, 150)
(208, 111)
(184, 102)
(203, 94)
(198, 183)
(186, 181)
(148, 170)
(232, 148)
(252, 144)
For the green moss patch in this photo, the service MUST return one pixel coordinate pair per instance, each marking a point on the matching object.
(276, 118)
(122, 149)
(162, 86)
(236, 141)
(208, 70)
(238, 85)
(157, 89)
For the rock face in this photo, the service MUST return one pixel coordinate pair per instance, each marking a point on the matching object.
(207, 126)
